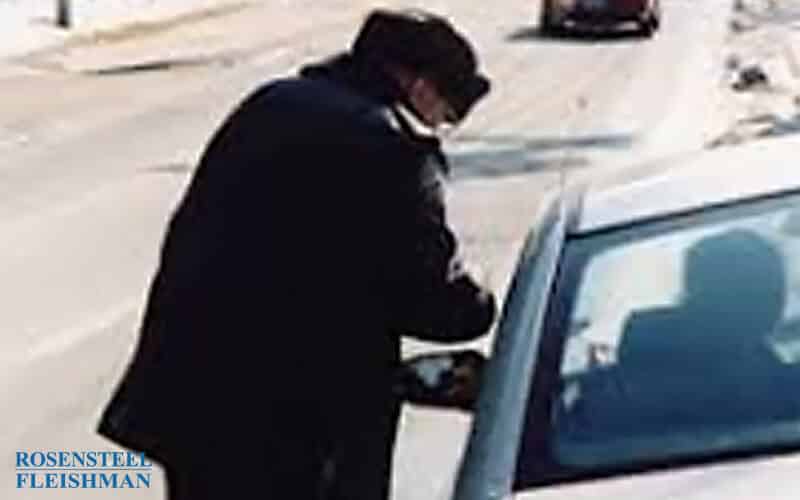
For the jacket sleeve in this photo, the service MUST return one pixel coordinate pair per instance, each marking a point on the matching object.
(430, 295)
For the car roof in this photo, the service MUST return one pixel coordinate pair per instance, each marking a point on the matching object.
(687, 182)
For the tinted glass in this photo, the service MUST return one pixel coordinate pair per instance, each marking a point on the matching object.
(677, 339)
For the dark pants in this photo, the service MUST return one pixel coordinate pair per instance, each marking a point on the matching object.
(290, 476)
(289, 463)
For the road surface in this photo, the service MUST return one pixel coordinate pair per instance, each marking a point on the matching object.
(93, 158)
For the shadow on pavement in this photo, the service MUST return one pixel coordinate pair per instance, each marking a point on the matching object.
(763, 126)
(159, 65)
(507, 155)
(574, 35)
(171, 168)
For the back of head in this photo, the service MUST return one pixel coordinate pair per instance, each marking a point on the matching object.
(738, 275)
(427, 45)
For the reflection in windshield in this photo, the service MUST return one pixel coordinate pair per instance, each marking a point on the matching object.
(682, 340)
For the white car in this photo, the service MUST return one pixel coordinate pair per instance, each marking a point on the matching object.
(649, 346)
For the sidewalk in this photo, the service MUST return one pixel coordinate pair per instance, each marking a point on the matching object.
(231, 30)
(19, 38)
(29, 25)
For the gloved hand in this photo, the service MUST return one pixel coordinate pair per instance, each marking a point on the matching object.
(444, 380)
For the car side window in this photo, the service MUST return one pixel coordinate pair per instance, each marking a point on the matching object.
(672, 338)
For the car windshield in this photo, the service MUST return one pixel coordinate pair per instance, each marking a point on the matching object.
(678, 339)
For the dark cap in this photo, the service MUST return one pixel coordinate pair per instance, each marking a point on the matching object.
(428, 45)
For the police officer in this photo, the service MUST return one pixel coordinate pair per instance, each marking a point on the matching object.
(312, 238)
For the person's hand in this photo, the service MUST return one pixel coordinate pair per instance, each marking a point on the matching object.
(465, 379)
(447, 380)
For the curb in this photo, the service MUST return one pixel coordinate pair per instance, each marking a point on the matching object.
(183, 48)
(48, 39)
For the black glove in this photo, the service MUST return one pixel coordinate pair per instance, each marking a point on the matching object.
(446, 380)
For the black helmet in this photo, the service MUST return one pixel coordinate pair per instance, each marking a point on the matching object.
(428, 45)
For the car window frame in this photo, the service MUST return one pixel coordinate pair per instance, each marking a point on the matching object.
(488, 467)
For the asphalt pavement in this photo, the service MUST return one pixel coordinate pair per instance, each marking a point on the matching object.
(98, 136)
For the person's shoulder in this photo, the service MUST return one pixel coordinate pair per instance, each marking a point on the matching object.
(331, 111)
(646, 325)
(652, 332)
(323, 101)
(654, 315)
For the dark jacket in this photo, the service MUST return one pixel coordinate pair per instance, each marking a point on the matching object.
(311, 238)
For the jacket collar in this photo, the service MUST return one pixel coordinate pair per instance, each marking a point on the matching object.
(366, 79)
(379, 87)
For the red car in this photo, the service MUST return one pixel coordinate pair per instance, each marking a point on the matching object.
(559, 14)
